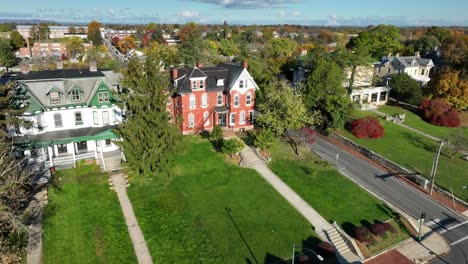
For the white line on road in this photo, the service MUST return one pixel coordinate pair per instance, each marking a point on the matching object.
(453, 227)
(459, 240)
(433, 222)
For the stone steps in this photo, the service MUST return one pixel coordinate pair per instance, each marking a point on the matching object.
(112, 163)
(118, 182)
(249, 156)
(336, 240)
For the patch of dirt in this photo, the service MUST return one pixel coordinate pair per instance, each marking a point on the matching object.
(464, 118)
(235, 159)
(390, 257)
(99, 242)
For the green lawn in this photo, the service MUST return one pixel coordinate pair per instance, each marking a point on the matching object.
(83, 222)
(333, 195)
(185, 219)
(413, 120)
(416, 152)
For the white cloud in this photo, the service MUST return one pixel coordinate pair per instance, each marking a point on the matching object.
(246, 4)
(189, 14)
(296, 13)
(332, 20)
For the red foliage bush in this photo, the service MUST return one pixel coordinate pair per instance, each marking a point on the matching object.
(439, 113)
(325, 248)
(367, 127)
(389, 227)
(378, 229)
(364, 235)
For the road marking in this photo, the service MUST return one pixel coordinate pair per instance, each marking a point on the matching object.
(459, 240)
(433, 222)
(453, 227)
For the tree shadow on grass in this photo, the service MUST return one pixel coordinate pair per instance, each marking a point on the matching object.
(417, 141)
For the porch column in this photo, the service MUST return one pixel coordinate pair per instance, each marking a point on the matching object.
(102, 155)
(74, 155)
(95, 150)
(51, 156)
(55, 149)
(378, 97)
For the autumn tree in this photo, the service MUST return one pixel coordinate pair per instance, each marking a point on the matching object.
(17, 41)
(367, 127)
(449, 85)
(282, 108)
(150, 137)
(94, 33)
(74, 46)
(405, 88)
(193, 48)
(126, 44)
(455, 53)
(439, 113)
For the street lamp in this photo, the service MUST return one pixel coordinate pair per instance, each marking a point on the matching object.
(421, 221)
(308, 249)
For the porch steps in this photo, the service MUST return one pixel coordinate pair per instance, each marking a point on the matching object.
(118, 182)
(336, 240)
(112, 163)
(229, 134)
(248, 156)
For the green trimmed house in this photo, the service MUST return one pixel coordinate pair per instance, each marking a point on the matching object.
(72, 114)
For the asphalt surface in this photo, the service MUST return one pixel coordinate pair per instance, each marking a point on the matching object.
(451, 225)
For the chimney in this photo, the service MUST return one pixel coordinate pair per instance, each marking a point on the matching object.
(244, 64)
(397, 54)
(59, 65)
(25, 68)
(199, 65)
(389, 55)
(174, 73)
(92, 66)
(417, 54)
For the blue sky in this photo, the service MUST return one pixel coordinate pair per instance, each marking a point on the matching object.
(306, 12)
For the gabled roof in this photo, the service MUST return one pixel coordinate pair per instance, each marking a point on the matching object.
(406, 61)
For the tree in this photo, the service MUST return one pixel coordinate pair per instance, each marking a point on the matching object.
(455, 53)
(17, 41)
(426, 44)
(442, 34)
(377, 41)
(439, 113)
(457, 142)
(280, 47)
(126, 44)
(405, 88)
(193, 49)
(367, 127)
(232, 146)
(282, 108)
(324, 92)
(74, 46)
(448, 85)
(94, 33)
(264, 139)
(299, 139)
(216, 136)
(227, 47)
(7, 57)
(72, 29)
(150, 137)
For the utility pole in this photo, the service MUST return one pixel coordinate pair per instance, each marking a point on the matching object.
(434, 166)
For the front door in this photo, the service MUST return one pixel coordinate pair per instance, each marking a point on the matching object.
(222, 120)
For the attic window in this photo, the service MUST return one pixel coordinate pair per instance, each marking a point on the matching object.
(241, 84)
(220, 82)
(54, 97)
(75, 96)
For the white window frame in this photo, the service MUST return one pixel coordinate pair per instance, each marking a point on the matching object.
(204, 100)
(114, 116)
(242, 118)
(103, 97)
(194, 85)
(193, 101)
(241, 84)
(236, 100)
(206, 117)
(55, 98)
(191, 120)
(251, 116)
(105, 118)
(58, 119)
(218, 97)
(95, 118)
(75, 96)
(248, 99)
(201, 84)
(232, 117)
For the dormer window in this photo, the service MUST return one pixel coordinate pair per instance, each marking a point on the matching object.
(103, 97)
(220, 82)
(75, 96)
(54, 97)
(241, 84)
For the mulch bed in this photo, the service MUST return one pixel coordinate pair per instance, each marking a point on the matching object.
(391, 257)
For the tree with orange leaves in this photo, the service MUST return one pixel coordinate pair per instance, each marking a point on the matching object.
(94, 33)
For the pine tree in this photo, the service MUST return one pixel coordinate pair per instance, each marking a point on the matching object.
(9, 112)
(150, 139)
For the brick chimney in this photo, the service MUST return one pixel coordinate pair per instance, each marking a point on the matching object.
(92, 66)
(244, 64)
(199, 65)
(174, 73)
(25, 69)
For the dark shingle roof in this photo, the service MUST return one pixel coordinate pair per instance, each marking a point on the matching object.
(59, 74)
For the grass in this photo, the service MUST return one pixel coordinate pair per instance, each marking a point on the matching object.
(416, 152)
(413, 120)
(83, 222)
(212, 211)
(333, 195)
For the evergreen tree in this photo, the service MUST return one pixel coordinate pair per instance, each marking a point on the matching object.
(405, 88)
(9, 113)
(17, 41)
(7, 57)
(150, 139)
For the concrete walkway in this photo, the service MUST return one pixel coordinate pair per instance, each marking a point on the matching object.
(295, 200)
(34, 247)
(138, 240)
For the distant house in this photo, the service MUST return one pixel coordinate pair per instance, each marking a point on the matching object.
(49, 49)
(223, 95)
(415, 66)
(55, 32)
(71, 112)
(363, 91)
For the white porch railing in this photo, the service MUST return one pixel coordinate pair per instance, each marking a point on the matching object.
(70, 159)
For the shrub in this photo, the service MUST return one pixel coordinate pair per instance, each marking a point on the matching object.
(232, 146)
(367, 127)
(389, 228)
(265, 139)
(217, 136)
(439, 113)
(378, 229)
(325, 249)
(364, 235)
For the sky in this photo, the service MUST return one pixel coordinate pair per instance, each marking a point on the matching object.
(304, 12)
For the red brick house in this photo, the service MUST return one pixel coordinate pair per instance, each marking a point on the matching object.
(223, 95)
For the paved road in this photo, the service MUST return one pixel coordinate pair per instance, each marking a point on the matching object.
(454, 227)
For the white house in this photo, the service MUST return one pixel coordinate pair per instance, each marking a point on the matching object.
(415, 66)
(72, 114)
